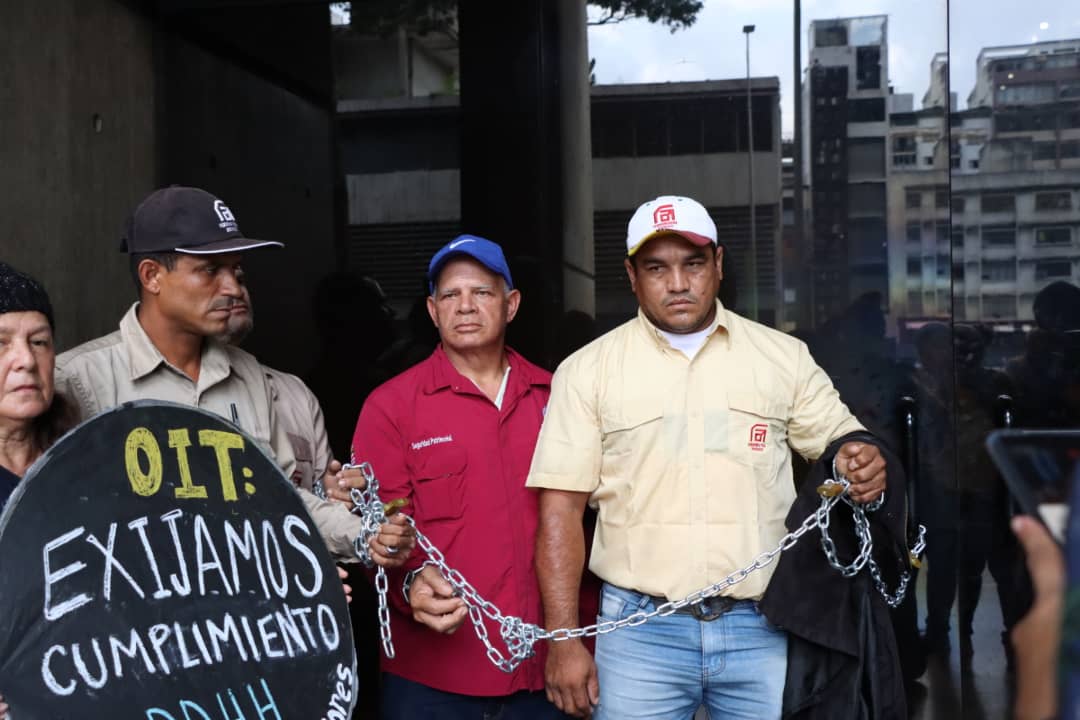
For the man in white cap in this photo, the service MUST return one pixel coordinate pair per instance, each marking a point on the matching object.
(677, 426)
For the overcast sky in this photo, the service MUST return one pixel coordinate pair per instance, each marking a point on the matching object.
(714, 48)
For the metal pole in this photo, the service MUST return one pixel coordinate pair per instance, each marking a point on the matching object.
(747, 29)
(804, 286)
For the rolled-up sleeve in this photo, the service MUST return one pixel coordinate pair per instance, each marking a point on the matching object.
(337, 526)
(818, 415)
(570, 446)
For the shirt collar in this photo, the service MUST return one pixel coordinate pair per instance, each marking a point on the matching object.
(144, 357)
(445, 375)
(719, 321)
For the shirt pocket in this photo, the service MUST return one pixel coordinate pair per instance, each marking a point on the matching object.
(304, 474)
(757, 429)
(630, 442)
(439, 490)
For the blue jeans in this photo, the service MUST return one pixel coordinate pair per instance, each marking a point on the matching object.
(668, 667)
(407, 700)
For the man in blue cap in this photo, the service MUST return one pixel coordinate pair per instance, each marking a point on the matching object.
(454, 436)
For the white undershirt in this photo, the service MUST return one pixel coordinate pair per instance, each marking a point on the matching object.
(688, 344)
(502, 388)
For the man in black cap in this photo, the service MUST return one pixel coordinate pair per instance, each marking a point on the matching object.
(186, 253)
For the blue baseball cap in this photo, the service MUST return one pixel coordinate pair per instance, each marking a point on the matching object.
(485, 252)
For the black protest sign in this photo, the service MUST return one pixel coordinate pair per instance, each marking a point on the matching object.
(155, 564)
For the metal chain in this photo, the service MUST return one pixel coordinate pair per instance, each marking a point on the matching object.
(369, 507)
(519, 637)
(864, 558)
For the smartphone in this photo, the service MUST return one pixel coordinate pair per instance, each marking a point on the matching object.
(1037, 466)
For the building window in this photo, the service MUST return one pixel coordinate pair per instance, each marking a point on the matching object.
(914, 267)
(830, 34)
(1044, 151)
(941, 198)
(914, 232)
(999, 236)
(941, 233)
(928, 160)
(1053, 200)
(999, 306)
(943, 264)
(1047, 269)
(957, 233)
(973, 164)
(914, 303)
(998, 203)
(913, 200)
(1025, 94)
(1053, 236)
(1070, 149)
(868, 67)
(866, 110)
(1024, 121)
(999, 271)
(904, 150)
(957, 204)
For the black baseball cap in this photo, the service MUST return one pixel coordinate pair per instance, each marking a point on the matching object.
(185, 220)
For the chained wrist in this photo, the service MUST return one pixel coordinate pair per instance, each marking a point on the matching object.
(406, 584)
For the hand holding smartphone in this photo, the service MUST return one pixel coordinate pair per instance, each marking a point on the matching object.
(1037, 466)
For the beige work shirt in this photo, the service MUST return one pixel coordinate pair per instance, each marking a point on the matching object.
(125, 366)
(686, 461)
(301, 417)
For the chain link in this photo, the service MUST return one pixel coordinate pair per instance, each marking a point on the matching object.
(520, 637)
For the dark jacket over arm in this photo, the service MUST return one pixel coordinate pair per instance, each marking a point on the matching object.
(842, 659)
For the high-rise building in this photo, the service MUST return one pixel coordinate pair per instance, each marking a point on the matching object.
(847, 101)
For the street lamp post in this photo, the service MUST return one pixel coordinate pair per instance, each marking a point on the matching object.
(747, 29)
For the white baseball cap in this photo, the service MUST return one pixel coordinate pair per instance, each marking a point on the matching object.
(670, 215)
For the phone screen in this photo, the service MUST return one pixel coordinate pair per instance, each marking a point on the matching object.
(1037, 466)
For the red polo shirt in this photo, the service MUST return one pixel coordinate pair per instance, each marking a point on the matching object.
(431, 436)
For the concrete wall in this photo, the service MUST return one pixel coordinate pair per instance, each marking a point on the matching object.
(102, 104)
(269, 154)
(713, 180)
(77, 97)
(403, 197)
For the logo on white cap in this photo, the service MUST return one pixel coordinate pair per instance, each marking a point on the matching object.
(670, 214)
(664, 216)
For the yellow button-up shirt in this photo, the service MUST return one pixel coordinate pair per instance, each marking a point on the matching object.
(686, 461)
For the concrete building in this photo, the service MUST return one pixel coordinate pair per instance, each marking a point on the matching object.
(1000, 201)
(401, 163)
(848, 101)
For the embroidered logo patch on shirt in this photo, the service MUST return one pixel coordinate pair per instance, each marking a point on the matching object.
(432, 441)
(758, 435)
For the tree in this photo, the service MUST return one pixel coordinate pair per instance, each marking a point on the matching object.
(676, 14)
(384, 17)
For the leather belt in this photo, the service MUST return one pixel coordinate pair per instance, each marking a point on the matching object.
(704, 610)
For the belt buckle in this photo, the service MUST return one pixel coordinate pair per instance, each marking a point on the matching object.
(708, 609)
